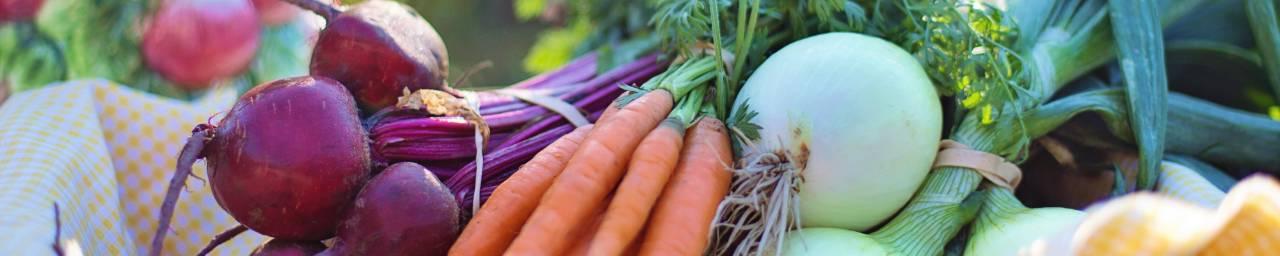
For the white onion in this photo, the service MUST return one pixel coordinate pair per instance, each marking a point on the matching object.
(858, 118)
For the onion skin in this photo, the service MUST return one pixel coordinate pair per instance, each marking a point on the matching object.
(830, 241)
(856, 115)
(289, 157)
(193, 43)
(1019, 230)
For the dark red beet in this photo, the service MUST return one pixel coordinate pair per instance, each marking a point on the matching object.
(285, 161)
(404, 210)
(377, 48)
(278, 247)
(195, 42)
(289, 157)
(19, 10)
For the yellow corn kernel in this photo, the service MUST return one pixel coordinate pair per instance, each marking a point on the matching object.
(1142, 224)
(1249, 220)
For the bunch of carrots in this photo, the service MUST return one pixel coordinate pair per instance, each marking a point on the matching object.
(646, 177)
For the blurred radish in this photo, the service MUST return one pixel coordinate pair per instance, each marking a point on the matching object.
(377, 49)
(275, 12)
(285, 161)
(197, 42)
(19, 10)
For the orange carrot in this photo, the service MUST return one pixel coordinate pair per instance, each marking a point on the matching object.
(496, 224)
(650, 167)
(582, 236)
(592, 173)
(681, 222)
(609, 111)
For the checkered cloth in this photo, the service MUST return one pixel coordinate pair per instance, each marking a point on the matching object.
(104, 153)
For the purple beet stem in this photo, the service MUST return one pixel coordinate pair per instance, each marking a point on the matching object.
(520, 129)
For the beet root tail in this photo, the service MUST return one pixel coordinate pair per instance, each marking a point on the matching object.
(192, 151)
(222, 238)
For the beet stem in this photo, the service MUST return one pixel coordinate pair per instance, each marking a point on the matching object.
(222, 238)
(193, 150)
(323, 9)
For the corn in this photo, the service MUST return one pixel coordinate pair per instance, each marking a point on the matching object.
(1143, 224)
(1249, 220)
(1181, 182)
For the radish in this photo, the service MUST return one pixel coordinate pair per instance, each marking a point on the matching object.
(377, 49)
(285, 161)
(275, 12)
(196, 42)
(278, 247)
(404, 210)
(19, 10)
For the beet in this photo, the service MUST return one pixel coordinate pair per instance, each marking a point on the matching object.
(195, 42)
(285, 161)
(288, 157)
(19, 10)
(404, 210)
(279, 247)
(377, 48)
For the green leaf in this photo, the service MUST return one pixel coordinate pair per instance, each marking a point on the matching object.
(1218, 21)
(740, 126)
(28, 58)
(555, 47)
(282, 52)
(1219, 72)
(1137, 29)
(529, 9)
(1266, 30)
(1107, 103)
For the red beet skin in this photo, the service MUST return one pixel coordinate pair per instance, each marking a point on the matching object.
(289, 157)
(404, 210)
(19, 10)
(195, 42)
(376, 49)
(278, 247)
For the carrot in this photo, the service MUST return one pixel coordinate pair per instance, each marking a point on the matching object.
(592, 173)
(496, 224)
(582, 236)
(650, 167)
(609, 111)
(681, 222)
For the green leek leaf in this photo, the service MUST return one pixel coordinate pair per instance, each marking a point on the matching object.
(1137, 29)
(1266, 31)
(1219, 72)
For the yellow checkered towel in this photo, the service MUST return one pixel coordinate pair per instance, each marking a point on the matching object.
(104, 153)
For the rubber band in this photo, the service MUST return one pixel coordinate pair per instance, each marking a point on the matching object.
(992, 167)
(566, 110)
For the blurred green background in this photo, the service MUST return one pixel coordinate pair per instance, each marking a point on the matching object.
(478, 30)
(79, 39)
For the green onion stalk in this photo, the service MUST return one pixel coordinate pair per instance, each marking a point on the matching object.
(740, 33)
(1000, 63)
